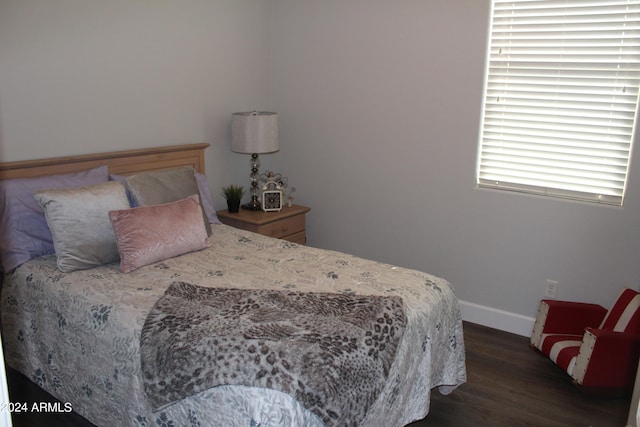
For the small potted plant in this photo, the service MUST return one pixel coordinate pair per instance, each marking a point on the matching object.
(233, 194)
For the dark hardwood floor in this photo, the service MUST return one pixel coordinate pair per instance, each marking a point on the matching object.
(508, 385)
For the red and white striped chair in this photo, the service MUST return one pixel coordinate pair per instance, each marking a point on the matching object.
(599, 349)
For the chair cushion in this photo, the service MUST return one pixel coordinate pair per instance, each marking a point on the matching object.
(624, 316)
(562, 349)
(565, 317)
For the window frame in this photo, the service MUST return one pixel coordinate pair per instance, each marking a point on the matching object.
(523, 150)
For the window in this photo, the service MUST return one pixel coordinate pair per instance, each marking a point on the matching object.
(561, 95)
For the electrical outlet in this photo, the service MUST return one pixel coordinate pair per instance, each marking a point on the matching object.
(551, 288)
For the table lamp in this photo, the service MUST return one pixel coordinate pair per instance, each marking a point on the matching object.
(254, 132)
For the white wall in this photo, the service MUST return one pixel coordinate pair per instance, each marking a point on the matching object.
(81, 76)
(379, 105)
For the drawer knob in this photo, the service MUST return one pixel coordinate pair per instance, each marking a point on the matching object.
(285, 228)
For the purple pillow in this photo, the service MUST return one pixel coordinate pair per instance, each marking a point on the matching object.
(205, 197)
(24, 233)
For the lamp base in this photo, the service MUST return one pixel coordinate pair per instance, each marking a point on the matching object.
(253, 205)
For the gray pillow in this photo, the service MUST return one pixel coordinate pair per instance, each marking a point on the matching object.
(166, 186)
(79, 222)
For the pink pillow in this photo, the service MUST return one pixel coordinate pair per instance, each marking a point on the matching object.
(149, 234)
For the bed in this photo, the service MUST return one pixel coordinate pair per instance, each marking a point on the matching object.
(241, 330)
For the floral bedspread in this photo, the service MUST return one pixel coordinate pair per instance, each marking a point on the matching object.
(77, 334)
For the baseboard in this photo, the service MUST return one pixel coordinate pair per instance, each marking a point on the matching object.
(497, 319)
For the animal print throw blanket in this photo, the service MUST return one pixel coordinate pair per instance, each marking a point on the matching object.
(332, 352)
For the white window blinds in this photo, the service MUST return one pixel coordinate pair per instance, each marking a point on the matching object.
(560, 97)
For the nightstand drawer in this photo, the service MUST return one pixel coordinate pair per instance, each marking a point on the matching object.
(299, 238)
(283, 227)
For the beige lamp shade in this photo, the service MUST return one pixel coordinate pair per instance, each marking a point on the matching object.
(254, 132)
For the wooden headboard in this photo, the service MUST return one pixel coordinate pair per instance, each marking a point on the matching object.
(125, 162)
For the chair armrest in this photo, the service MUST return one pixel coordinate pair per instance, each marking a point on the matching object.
(565, 317)
(607, 359)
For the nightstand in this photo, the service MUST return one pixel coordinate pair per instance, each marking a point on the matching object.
(287, 224)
